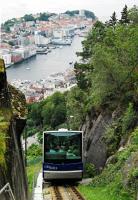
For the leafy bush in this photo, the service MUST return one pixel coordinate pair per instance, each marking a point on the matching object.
(133, 177)
(128, 119)
(34, 151)
(90, 170)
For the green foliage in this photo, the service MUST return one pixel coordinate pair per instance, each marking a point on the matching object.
(46, 115)
(34, 164)
(7, 28)
(40, 137)
(32, 172)
(59, 115)
(112, 138)
(133, 178)
(134, 173)
(112, 180)
(134, 137)
(119, 129)
(34, 151)
(72, 13)
(109, 73)
(2, 148)
(75, 108)
(81, 69)
(54, 110)
(31, 131)
(5, 117)
(88, 14)
(28, 18)
(110, 51)
(128, 119)
(8, 24)
(45, 16)
(133, 15)
(95, 36)
(90, 170)
(106, 192)
(124, 16)
(35, 114)
(112, 21)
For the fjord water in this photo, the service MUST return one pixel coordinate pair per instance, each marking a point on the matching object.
(41, 66)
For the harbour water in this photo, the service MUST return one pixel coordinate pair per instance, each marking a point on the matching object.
(41, 66)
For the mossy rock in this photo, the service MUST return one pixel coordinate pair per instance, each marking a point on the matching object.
(2, 66)
(2, 148)
(127, 171)
(5, 114)
(18, 102)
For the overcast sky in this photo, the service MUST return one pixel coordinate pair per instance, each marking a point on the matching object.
(102, 8)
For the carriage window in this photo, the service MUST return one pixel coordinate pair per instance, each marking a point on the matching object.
(62, 146)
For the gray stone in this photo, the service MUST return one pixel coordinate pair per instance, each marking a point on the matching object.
(95, 150)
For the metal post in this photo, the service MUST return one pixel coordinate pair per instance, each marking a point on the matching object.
(7, 188)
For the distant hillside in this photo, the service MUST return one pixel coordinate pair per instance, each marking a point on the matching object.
(42, 17)
(88, 14)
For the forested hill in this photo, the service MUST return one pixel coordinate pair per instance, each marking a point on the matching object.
(45, 17)
(88, 13)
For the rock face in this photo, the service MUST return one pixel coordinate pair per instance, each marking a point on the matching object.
(94, 147)
(12, 122)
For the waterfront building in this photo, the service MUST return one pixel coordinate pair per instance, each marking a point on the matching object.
(6, 57)
(41, 40)
(16, 57)
(58, 33)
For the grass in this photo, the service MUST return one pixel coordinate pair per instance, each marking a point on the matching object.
(101, 193)
(32, 172)
(98, 193)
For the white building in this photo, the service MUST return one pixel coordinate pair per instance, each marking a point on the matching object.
(63, 32)
(6, 57)
(21, 51)
(82, 13)
(58, 33)
(41, 40)
(29, 23)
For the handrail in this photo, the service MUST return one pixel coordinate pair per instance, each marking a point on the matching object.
(7, 188)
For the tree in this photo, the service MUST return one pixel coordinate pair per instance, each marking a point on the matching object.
(109, 73)
(59, 115)
(53, 110)
(44, 17)
(47, 112)
(113, 20)
(96, 35)
(133, 15)
(75, 107)
(7, 29)
(35, 114)
(124, 16)
(28, 18)
(81, 69)
(115, 67)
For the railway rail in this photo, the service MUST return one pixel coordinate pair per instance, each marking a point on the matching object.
(66, 193)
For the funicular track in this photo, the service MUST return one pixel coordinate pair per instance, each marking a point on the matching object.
(66, 193)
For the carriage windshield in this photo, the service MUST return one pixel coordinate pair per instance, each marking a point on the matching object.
(62, 146)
